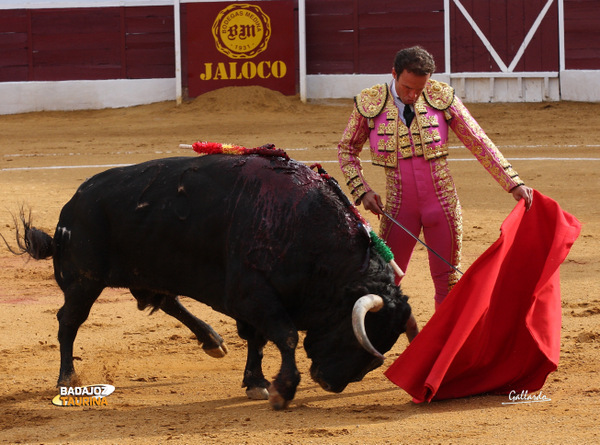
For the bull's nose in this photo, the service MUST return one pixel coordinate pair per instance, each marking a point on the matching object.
(326, 386)
(316, 376)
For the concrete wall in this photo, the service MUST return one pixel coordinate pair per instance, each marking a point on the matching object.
(470, 88)
(582, 86)
(23, 97)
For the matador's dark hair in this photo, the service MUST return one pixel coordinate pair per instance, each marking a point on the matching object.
(416, 60)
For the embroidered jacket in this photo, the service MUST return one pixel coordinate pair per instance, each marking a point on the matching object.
(375, 118)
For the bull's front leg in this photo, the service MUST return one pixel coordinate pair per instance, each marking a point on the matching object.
(254, 380)
(283, 388)
(264, 318)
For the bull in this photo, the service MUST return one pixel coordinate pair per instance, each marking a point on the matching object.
(264, 240)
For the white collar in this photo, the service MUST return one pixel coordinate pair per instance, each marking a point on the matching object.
(397, 100)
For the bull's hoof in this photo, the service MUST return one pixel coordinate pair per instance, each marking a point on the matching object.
(71, 380)
(276, 400)
(257, 393)
(219, 352)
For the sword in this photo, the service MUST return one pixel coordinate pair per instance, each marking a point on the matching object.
(417, 238)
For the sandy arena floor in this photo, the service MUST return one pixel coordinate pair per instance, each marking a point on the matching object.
(168, 391)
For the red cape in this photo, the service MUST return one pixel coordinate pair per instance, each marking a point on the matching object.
(499, 328)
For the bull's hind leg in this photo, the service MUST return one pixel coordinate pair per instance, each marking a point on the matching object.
(212, 343)
(79, 298)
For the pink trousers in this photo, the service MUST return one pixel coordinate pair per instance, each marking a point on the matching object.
(421, 196)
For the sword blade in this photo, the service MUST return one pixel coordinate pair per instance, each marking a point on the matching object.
(388, 216)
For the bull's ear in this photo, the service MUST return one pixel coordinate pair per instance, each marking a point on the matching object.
(367, 303)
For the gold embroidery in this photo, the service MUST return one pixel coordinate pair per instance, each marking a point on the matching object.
(353, 139)
(386, 145)
(416, 139)
(420, 107)
(384, 159)
(448, 198)
(351, 173)
(370, 101)
(438, 151)
(427, 137)
(439, 95)
(355, 185)
(393, 199)
(404, 141)
(392, 136)
(430, 137)
(405, 147)
(390, 128)
(429, 121)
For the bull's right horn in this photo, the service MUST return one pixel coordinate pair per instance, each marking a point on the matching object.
(368, 303)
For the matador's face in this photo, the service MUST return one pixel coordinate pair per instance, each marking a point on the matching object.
(409, 86)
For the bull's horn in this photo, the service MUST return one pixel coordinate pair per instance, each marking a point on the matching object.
(368, 303)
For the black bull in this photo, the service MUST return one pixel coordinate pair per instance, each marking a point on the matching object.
(264, 240)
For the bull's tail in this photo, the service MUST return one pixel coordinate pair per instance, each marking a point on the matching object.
(31, 241)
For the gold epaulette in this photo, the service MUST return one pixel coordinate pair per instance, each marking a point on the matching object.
(439, 95)
(371, 101)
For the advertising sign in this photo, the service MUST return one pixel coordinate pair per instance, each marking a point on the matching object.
(241, 44)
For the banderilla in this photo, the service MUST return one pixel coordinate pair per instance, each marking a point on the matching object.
(417, 238)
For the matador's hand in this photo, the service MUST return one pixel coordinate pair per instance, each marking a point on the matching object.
(372, 202)
(524, 192)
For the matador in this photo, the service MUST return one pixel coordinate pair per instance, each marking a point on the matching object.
(420, 192)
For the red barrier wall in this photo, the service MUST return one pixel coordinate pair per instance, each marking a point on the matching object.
(87, 44)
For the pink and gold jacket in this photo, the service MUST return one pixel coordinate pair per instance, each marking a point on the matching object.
(375, 117)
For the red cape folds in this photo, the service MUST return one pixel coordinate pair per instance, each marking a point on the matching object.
(499, 328)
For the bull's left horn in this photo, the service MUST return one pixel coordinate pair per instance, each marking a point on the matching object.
(368, 303)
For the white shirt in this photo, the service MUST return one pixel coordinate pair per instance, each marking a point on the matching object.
(399, 103)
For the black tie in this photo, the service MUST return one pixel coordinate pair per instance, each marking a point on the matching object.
(408, 115)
